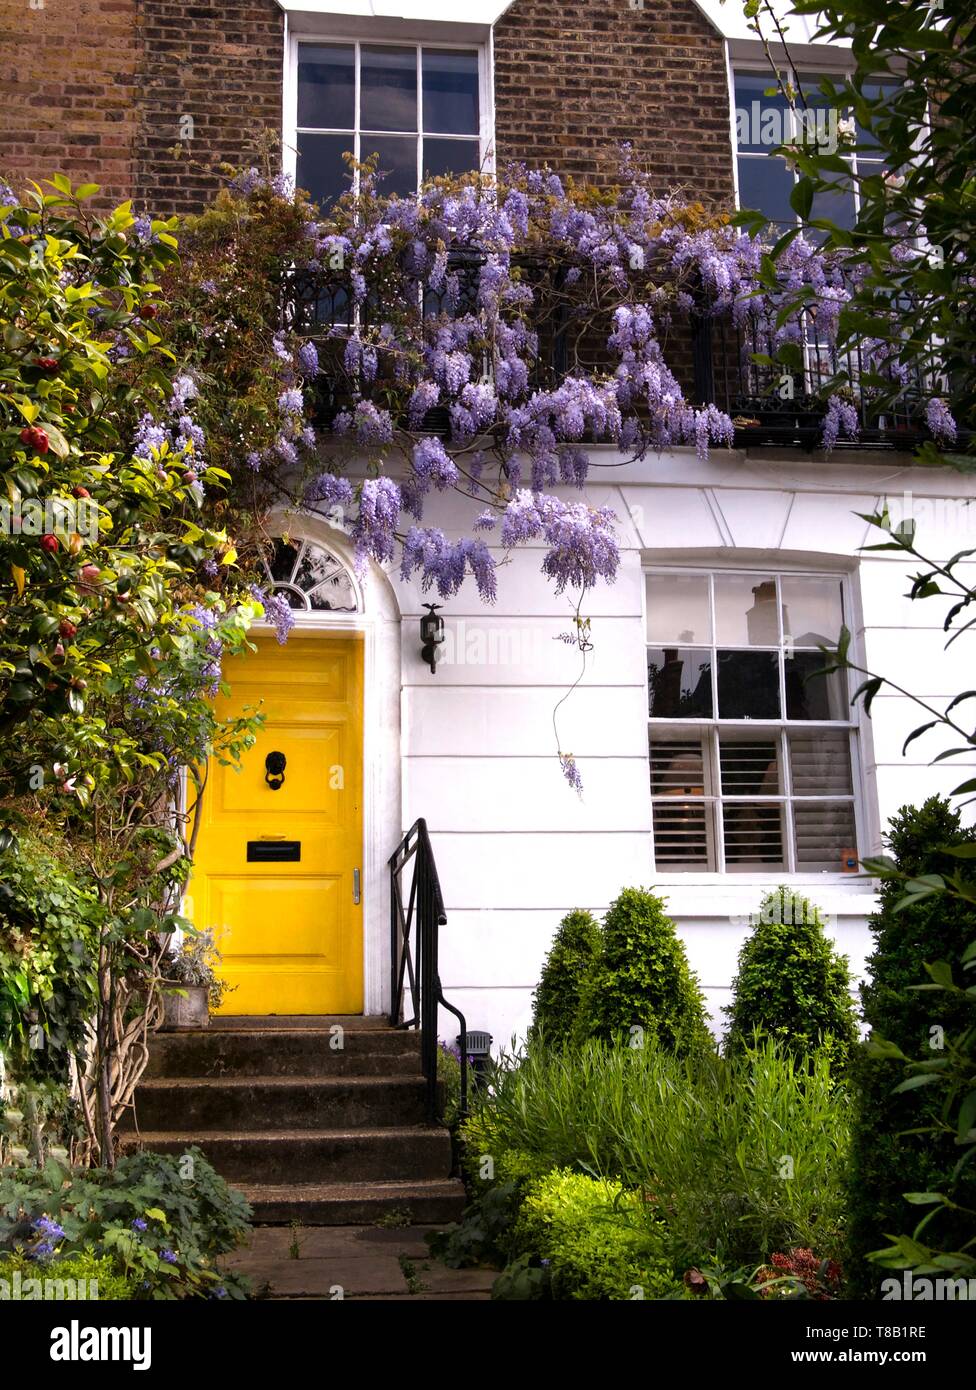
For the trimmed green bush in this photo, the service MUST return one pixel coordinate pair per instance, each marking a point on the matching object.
(574, 950)
(82, 1274)
(641, 980)
(792, 985)
(594, 1235)
(886, 1162)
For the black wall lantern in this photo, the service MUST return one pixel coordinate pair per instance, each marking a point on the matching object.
(432, 636)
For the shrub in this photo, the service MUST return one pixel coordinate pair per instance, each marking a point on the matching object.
(164, 1219)
(49, 918)
(574, 951)
(886, 1160)
(594, 1236)
(642, 980)
(743, 1155)
(791, 984)
(84, 1272)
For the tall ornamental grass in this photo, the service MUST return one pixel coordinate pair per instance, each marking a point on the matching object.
(740, 1157)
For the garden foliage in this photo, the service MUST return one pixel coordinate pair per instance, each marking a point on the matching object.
(640, 984)
(571, 957)
(889, 1156)
(163, 1220)
(791, 984)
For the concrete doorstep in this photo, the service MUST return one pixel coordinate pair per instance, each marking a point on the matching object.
(336, 1263)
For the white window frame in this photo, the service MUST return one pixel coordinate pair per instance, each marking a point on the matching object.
(754, 68)
(485, 136)
(710, 727)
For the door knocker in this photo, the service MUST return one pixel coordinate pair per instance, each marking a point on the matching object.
(274, 773)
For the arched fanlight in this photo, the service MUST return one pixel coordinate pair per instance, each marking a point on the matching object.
(310, 578)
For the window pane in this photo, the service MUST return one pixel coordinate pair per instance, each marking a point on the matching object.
(749, 767)
(388, 88)
(766, 184)
(450, 157)
(282, 563)
(397, 164)
(813, 610)
(812, 695)
(824, 836)
(820, 763)
(836, 205)
(753, 836)
(327, 86)
(745, 611)
(748, 685)
(678, 768)
(321, 170)
(450, 92)
(682, 836)
(761, 122)
(677, 608)
(679, 683)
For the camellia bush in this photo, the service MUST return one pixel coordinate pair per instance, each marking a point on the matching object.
(111, 645)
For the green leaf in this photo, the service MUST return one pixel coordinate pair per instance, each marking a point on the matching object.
(801, 198)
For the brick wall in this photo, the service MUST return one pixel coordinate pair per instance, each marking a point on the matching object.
(211, 84)
(105, 89)
(67, 91)
(576, 78)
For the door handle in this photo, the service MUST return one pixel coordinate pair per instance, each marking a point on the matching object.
(356, 894)
(272, 837)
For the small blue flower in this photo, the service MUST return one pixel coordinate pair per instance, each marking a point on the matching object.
(169, 1257)
(139, 1224)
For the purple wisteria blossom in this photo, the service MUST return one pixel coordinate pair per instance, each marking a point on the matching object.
(276, 610)
(841, 418)
(940, 421)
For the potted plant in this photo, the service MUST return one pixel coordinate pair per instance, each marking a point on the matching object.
(192, 989)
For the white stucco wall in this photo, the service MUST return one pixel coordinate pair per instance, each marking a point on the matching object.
(516, 848)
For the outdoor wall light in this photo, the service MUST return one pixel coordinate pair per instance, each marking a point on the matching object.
(432, 636)
(479, 1053)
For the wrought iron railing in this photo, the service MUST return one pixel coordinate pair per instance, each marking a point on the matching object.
(773, 405)
(416, 916)
(712, 356)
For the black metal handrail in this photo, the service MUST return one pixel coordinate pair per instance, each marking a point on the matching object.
(416, 916)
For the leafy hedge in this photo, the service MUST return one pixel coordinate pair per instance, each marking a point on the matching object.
(886, 1160)
(641, 981)
(791, 984)
(574, 952)
(48, 931)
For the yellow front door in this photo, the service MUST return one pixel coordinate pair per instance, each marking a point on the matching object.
(277, 867)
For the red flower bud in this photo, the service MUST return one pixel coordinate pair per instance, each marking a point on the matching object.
(67, 629)
(50, 543)
(51, 365)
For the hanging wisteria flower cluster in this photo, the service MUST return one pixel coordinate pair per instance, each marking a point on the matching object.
(487, 336)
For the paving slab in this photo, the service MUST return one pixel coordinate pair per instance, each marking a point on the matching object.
(359, 1261)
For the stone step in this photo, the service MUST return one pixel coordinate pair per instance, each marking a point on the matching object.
(273, 1023)
(434, 1202)
(252, 1052)
(403, 1154)
(248, 1104)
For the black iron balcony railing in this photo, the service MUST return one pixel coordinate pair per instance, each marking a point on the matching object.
(712, 356)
